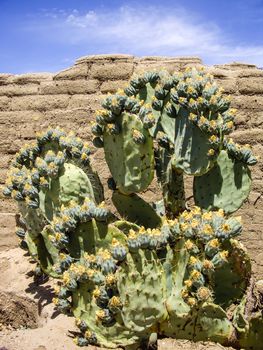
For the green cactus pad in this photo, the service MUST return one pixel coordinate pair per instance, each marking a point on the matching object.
(180, 323)
(212, 323)
(34, 219)
(249, 327)
(173, 189)
(252, 339)
(85, 308)
(191, 146)
(232, 279)
(72, 184)
(39, 246)
(144, 90)
(91, 236)
(226, 185)
(131, 164)
(135, 209)
(47, 256)
(81, 229)
(168, 122)
(31, 245)
(142, 308)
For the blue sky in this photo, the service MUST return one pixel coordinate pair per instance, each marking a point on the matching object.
(49, 35)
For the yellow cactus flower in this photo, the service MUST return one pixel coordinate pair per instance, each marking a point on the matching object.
(220, 213)
(156, 232)
(182, 99)
(142, 230)
(202, 120)
(191, 302)
(225, 227)
(191, 90)
(100, 314)
(192, 101)
(207, 229)
(207, 215)
(62, 256)
(207, 264)
(132, 234)
(96, 293)
(196, 210)
(115, 301)
(213, 138)
(188, 244)
(232, 111)
(195, 275)
(55, 301)
(213, 99)
(194, 223)
(66, 277)
(90, 272)
(188, 283)
(184, 293)
(193, 260)
(187, 215)
(224, 254)
(57, 289)
(84, 156)
(65, 218)
(184, 226)
(115, 242)
(214, 243)
(192, 117)
(121, 92)
(58, 236)
(104, 254)
(110, 279)
(230, 124)
(88, 334)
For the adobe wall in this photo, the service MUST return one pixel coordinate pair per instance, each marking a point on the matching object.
(32, 102)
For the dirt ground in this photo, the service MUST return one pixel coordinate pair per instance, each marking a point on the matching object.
(27, 317)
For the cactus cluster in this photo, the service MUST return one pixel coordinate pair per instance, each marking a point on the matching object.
(149, 269)
(45, 175)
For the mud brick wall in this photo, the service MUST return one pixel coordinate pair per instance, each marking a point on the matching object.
(32, 102)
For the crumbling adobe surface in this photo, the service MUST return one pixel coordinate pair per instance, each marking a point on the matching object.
(32, 102)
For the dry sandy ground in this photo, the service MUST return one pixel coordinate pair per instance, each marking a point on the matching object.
(28, 320)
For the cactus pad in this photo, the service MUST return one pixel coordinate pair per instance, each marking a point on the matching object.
(135, 209)
(226, 185)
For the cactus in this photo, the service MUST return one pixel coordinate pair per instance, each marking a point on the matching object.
(45, 175)
(141, 284)
(149, 269)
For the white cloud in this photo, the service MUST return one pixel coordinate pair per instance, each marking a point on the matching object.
(150, 31)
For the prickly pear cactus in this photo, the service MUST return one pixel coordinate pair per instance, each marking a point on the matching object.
(149, 269)
(162, 280)
(187, 117)
(49, 173)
